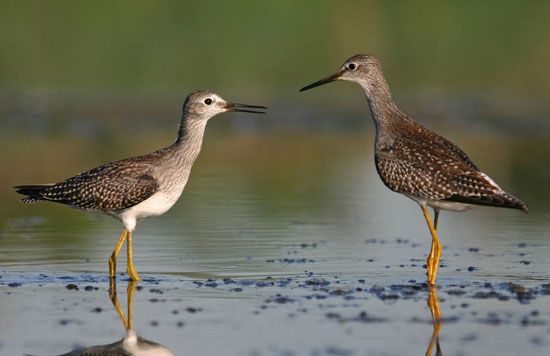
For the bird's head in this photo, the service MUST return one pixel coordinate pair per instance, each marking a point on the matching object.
(364, 69)
(205, 104)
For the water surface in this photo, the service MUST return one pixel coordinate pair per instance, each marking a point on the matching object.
(282, 244)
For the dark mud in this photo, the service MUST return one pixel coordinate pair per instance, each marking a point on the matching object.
(299, 290)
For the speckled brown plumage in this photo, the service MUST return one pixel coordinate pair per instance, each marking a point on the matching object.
(117, 186)
(156, 179)
(416, 162)
(413, 160)
(420, 163)
(112, 187)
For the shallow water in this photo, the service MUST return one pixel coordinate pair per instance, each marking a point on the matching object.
(282, 244)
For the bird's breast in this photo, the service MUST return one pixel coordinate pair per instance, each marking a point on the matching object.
(170, 188)
(172, 185)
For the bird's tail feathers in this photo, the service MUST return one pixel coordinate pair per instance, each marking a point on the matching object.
(33, 192)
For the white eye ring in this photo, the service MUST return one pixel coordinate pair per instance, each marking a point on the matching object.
(352, 66)
(208, 101)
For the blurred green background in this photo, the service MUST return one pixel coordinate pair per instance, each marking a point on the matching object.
(270, 47)
(82, 83)
(133, 60)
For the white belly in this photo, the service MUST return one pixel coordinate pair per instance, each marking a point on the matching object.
(157, 204)
(441, 204)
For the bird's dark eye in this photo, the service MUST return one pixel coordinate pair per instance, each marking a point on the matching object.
(352, 66)
(208, 101)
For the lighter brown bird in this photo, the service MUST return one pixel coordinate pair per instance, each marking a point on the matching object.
(136, 188)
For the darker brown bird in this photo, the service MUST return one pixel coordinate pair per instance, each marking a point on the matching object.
(416, 162)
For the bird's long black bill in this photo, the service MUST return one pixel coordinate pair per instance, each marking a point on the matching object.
(245, 108)
(330, 78)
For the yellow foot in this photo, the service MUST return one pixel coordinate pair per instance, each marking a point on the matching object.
(435, 250)
(112, 267)
(130, 267)
(134, 276)
(431, 278)
(114, 255)
(434, 266)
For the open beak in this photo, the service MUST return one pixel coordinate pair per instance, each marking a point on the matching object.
(244, 108)
(330, 78)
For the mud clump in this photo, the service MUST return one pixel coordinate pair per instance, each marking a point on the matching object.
(523, 295)
(408, 290)
(280, 299)
(545, 289)
(490, 295)
(317, 282)
(456, 292)
(288, 261)
(362, 317)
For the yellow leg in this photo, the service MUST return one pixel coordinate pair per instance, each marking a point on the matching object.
(131, 289)
(433, 260)
(126, 321)
(131, 268)
(430, 259)
(433, 304)
(114, 255)
(114, 299)
(438, 247)
(431, 255)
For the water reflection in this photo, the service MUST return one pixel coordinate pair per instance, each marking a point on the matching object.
(433, 304)
(131, 344)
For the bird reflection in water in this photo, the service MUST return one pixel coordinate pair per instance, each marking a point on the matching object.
(433, 304)
(131, 344)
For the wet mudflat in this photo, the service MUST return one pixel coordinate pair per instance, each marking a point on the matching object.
(304, 314)
(298, 250)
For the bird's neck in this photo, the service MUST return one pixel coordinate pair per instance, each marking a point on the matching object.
(384, 111)
(189, 141)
